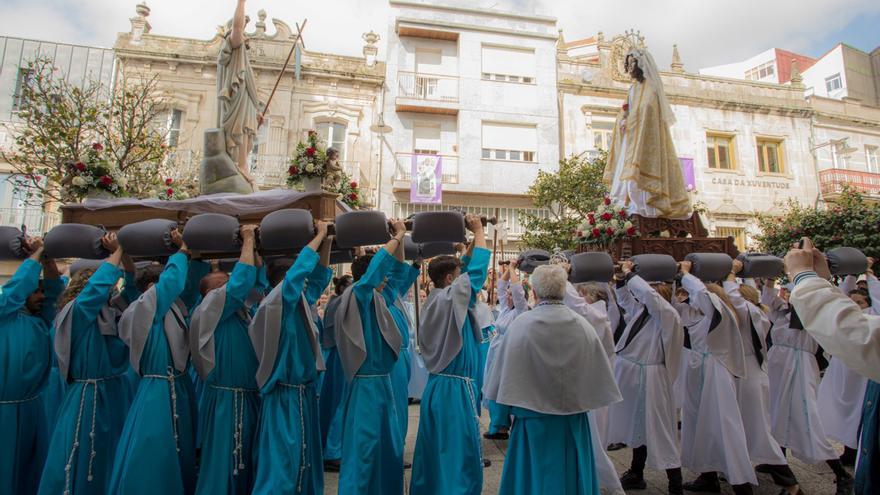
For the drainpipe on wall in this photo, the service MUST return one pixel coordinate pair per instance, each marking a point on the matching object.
(381, 154)
(814, 153)
(560, 96)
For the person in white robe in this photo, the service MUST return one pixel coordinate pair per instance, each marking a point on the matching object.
(794, 380)
(842, 391)
(842, 328)
(712, 435)
(753, 389)
(648, 358)
(512, 303)
(583, 301)
(419, 376)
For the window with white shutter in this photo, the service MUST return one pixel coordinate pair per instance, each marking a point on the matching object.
(514, 142)
(508, 64)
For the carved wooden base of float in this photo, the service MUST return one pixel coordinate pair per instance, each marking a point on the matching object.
(677, 238)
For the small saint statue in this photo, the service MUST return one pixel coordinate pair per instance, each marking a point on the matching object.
(643, 169)
(334, 169)
(238, 104)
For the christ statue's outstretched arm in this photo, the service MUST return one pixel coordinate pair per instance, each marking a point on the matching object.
(238, 21)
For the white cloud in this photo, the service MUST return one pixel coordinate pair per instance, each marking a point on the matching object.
(708, 33)
(716, 32)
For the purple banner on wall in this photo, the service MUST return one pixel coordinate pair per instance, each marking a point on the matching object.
(687, 169)
(427, 183)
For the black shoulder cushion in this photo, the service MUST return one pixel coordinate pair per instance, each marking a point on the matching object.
(710, 267)
(150, 238)
(12, 243)
(846, 261)
(434, 249)
(342, 256)
(591, 267)
(533, 258)
(655, 267)
(760, 265)
(428, 250)
(286, 231)
(362, 228)
(411, 250)
(212, 233)
(75, 240)
(438, 226)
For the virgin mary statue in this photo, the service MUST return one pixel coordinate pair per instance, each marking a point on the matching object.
(643, 169)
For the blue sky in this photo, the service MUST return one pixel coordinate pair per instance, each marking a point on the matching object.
(707, 32)
(863, 33)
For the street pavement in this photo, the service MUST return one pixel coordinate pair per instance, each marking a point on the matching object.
(814, 479)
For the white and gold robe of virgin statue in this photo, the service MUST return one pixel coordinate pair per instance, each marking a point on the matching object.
(643, 170)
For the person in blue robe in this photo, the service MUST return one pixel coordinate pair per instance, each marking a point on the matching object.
(53, 393)
(156, 451)
(401, 278)
(448, 458)
(288, 454)
(27, 308)
(93, 361)
(226, 363)
(314, 293)
(191, 297)
(333, 385)
(131, 291)
(369, 342)
(551, 369)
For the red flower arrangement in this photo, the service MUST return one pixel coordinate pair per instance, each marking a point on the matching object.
(308, 161)
(348, 192)
(605, 226)
(93, 173)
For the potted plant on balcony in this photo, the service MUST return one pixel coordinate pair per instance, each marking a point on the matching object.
(605, 229)
(92, 176)
(308, 166)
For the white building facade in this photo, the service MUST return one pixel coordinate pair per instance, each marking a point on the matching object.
(335, 95)
(478, 89)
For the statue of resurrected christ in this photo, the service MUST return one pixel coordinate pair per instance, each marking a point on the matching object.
(643, 169)
(238, 109)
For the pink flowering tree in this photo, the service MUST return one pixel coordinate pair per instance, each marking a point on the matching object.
(64, 133)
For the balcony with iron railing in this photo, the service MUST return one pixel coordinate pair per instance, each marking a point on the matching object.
(270, 171)
(34, 219)
(833, 181)
(510, 218)
(427, 93)
(449, 164)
